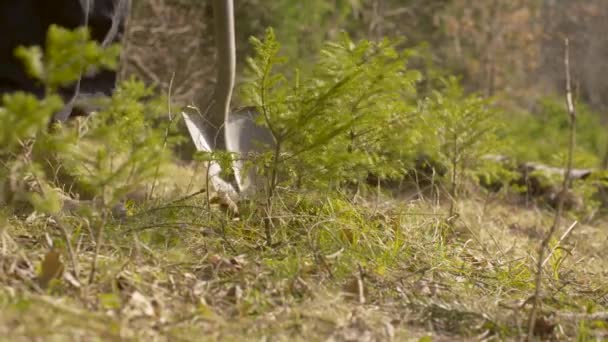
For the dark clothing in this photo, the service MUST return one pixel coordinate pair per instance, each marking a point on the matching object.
(25, 22)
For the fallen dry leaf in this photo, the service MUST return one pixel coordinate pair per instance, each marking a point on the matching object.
(70, 279)
(51, 268)
(235, 293)
(138, 306)
(544, 327)
(228, 205)
(355, 288)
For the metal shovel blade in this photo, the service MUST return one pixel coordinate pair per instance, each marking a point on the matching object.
(202, 144)
(247, 139)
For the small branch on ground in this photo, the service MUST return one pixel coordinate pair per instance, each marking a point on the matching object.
(560, 206)
(559, 243)
(98, 241)
(68, 243)
(166, 137)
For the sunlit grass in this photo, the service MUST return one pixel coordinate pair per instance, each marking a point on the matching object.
(339, 268)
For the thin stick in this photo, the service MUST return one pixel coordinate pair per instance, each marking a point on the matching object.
(596, 316)
(68, 244)
(166, 137)
(561, 239)
(560, 205)
(360, 285)
(98, 241)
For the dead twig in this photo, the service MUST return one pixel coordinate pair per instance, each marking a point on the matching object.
(560, 206)
(139, 64)
(561, 239)
(68, 243)
(596, 316)
(166, 137)
(98, 241)
(360, 285)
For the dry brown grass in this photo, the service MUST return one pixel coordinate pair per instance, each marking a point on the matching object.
(342, 271)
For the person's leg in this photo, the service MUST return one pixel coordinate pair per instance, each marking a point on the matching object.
(106, 22)
(25, 22)
(21, 23)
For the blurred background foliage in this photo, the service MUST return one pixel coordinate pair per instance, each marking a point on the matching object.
(509, 50)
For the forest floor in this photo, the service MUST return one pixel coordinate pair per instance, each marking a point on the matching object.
(375, 269)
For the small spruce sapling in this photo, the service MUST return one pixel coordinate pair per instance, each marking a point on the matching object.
(334, 123)
(109, 155)
(464, 130)
(347, 117)
(24, 118)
